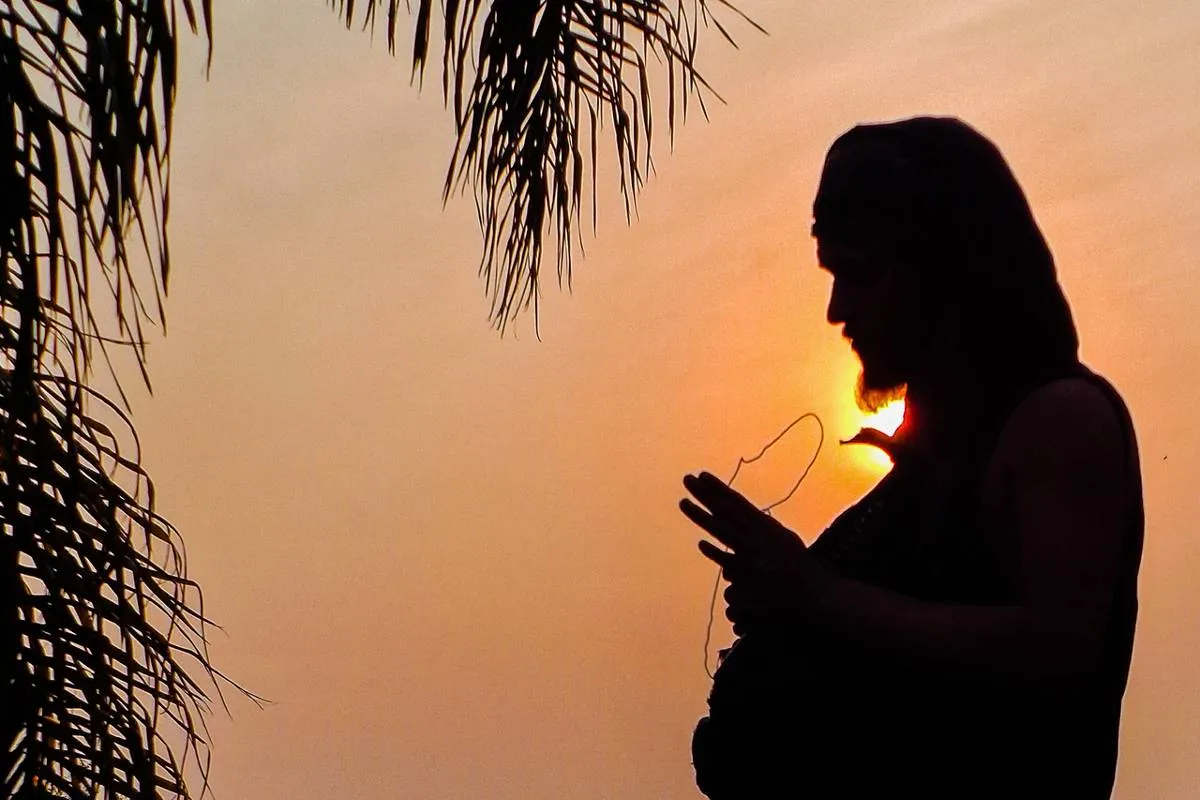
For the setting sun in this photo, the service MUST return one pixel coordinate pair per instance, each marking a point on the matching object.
(886, 419)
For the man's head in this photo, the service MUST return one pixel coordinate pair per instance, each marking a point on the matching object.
(937, 261)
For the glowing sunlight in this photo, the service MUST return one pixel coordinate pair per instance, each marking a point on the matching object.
(886, 419)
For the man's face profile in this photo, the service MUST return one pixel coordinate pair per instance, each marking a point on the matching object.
(873, 298)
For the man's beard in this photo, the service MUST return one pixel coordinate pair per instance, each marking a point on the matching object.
(872, 393)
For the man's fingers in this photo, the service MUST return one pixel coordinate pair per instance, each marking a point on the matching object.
(745, 607)
(731, 595)
(740, 517)
(724, 533)
(717, 555)
(719, 497)
(734, 568)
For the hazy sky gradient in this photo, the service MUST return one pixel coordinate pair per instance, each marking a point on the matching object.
(455, 562)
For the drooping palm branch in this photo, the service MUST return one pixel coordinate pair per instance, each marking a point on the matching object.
(532, 84)
(103, 635)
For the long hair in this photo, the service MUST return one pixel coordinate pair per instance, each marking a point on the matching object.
(942, 196)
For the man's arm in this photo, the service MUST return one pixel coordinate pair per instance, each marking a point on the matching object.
(1064, 455)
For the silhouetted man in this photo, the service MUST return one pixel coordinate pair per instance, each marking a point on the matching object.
(964, 630)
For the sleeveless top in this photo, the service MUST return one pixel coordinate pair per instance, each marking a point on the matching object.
(788, 721)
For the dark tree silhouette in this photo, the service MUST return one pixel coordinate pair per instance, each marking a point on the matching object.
(532, 83)
(102, 631)
(104, 671)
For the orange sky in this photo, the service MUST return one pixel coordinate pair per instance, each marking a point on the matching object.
(455, 562)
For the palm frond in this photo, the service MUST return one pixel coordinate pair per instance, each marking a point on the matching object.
(533, 83)
(103, 632)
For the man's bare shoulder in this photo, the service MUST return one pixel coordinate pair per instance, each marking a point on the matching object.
(1071, 422)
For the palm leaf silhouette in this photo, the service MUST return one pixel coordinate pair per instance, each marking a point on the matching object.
(532, 83)
(102, 632)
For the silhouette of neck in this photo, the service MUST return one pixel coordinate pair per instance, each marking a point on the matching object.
(943, 410)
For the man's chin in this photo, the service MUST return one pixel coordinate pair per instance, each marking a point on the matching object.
(874, 392)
